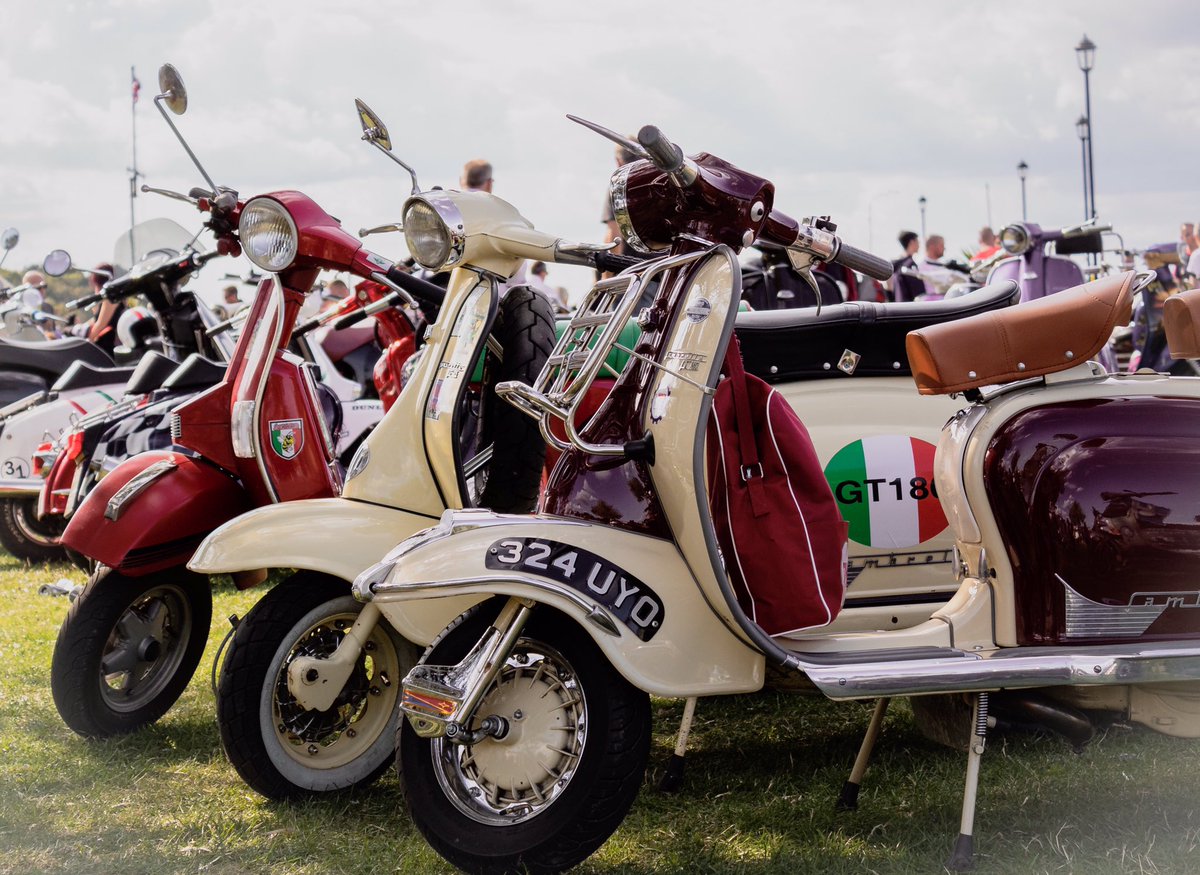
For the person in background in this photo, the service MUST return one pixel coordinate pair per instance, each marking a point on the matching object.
(477, 176)
(1187, 236)
(102, 329)
(901, 287)
(333, 294)
(537, 282)
(988, 244)
(36, 293)
(612, 233)
(1192, 271)
(941, 272)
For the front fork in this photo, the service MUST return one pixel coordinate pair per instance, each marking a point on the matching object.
(439, 700)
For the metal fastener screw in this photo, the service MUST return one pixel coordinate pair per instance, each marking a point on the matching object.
(313, 750)
(369, 646)
(1020, 366)
(1070, 355)
(518, 714)
(375, 691)
(351, 733)
(971, 375)
(475, 791)
(896, 365)
(826, 366)
(774, 369)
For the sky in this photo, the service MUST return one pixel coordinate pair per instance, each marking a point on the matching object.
(854, 109)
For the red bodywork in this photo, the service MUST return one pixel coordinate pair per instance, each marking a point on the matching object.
(162, 525)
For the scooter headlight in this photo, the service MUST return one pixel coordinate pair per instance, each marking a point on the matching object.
(1014, 239)
(618, 195)
(433, 230)
(268, 234)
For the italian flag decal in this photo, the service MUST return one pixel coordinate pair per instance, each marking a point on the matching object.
(885, 491)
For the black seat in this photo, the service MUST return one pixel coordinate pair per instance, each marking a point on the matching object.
(196, 372)
(81, 375)
(785, 345)
(52, 357)
(151, 372)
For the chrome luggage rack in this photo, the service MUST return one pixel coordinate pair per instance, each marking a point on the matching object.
(579, 356)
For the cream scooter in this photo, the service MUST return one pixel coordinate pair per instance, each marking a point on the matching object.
(336, 728)
(528, 718)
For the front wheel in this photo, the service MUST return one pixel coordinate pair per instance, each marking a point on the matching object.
(552, 790)
(27, 537)
(128, 648)
(280, 749)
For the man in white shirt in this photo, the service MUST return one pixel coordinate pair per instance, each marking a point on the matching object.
(941, 275)
(1193, 266)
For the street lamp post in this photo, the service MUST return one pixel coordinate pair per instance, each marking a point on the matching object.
(921, 203)
(1022, 170)
(1085, 53)
(1081, 128)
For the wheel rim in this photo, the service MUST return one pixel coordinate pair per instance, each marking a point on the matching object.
(145, 647)
(347, 730)
(31, 529)
(517, 777)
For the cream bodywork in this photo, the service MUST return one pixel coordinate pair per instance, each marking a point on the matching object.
(699, 649)
(410, 476)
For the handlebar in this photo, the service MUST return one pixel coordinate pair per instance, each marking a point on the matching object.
(862, 262)
(666, 156)
(422, 290)
(359, 315)
(85, 301)
(610, 262)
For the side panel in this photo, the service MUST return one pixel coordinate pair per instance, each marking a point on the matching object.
(333, 535)
(1099, 504)
(839, 415)
(691, 652)
(160, 526)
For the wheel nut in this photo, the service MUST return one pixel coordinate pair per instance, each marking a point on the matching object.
(518, 714)
(351, 733)
(375, 691)
(369, 646)
(313, 750)
(475, 791)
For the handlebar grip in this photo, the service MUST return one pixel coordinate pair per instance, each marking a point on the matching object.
(306, 326)
(665, 154)
(200, 193)
(420, 289)
(85, 301)
(863, 262)
(610, 262)
(349, 319)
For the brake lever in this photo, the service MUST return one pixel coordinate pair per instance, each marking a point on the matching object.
(174, 195)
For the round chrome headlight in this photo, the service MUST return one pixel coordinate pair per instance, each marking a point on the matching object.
(433, 230)
(619, 198)
(268, 234)
(1014, 239)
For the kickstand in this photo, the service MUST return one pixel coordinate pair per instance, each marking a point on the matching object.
(848, 798)
(963, 857)
(672, 779)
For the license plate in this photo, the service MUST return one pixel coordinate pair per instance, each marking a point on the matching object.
(629, 600)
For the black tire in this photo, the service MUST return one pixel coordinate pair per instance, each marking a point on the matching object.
(25, 536)
(119, 621)
(572, 820)
(281, 750)
(525, 329)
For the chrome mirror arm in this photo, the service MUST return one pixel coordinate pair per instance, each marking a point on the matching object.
(165, 192)
(416, 189)
(158, 102)
(380, 229)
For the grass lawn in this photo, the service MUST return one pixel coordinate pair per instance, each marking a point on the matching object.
(764, 772)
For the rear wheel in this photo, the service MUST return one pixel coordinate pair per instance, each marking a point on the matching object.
(553, 789)
(280, 749)
(27, 537)
(128, 648)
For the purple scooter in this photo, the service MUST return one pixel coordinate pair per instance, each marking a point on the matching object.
(1038, 273)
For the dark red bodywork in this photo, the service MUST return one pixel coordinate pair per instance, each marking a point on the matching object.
(1106, 494)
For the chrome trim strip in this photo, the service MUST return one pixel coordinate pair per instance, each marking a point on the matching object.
(20, 487)
(136, 486)
(1089, 619)
(592, 611)
(273, 346)
(1014, 668)
(620, 203)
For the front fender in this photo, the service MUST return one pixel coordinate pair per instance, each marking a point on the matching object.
(152, 511)
(437, 575)
(333, 535)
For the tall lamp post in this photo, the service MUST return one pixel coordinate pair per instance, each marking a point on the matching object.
(1085, 53)
(921, 204)
(1022, 171)
(1081, 128)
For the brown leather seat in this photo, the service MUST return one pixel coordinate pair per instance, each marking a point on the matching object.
(1035, 338)
(1181, 319)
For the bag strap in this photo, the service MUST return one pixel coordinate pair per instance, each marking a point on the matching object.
(750, 467)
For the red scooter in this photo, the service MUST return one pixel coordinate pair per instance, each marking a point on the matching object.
(132, 640)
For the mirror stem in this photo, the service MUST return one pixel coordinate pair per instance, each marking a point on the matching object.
(158, 103)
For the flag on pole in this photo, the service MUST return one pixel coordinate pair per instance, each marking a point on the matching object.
(137, 86)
